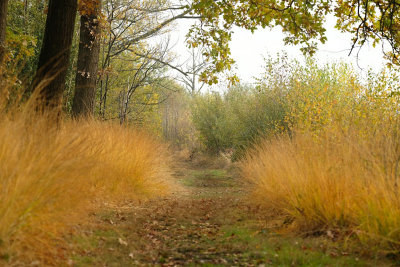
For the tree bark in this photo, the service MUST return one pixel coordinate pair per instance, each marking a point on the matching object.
(55, 52)
(3, 22)
(88, 59)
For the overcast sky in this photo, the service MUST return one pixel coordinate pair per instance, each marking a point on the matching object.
(249, 49)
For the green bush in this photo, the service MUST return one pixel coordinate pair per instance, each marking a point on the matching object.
(211, 119)
(237, 118)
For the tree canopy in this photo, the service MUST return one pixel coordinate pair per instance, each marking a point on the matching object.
(301, 20)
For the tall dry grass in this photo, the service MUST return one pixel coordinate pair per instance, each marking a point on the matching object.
(51, 176)
(343, 181)
(340, 167)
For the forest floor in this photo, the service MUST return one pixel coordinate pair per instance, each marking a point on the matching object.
(206, 223)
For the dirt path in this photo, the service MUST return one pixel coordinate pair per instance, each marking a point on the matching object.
(207, 224)
(188, 228)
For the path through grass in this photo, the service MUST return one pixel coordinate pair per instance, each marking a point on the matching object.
(207, 223)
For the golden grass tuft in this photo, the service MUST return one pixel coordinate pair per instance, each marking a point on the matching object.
(52, 176)
(345, 182)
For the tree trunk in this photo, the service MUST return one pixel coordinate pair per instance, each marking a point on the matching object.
(88, 58)
(3, 22)
(55, 52)
(103, 114)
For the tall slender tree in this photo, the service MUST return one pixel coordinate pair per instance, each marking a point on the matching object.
(88, 58)
(55, 52)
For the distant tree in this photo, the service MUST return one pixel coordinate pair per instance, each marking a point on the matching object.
(193, 69)
(131, 23)
(146, 76)
(55, 52)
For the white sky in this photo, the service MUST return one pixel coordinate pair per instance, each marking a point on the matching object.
(248, 50)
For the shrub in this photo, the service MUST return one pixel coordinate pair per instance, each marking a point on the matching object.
(211, 119)
(237, 118)
(289, 95)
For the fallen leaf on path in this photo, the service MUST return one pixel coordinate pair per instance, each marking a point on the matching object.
(330, 234)
(333, 254)
(122, 242)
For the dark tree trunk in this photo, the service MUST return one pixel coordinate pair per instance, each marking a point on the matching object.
(3, 21)
(88, 58)
(55, 52)
(104, 99)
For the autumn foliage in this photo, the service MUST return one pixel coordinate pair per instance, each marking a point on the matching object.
(336, 171)
(51, 177)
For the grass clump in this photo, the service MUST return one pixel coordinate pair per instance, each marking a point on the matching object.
(340, 184)
(52, 176)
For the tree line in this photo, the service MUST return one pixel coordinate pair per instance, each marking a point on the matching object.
(132, 21)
